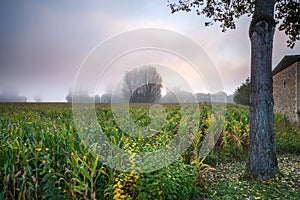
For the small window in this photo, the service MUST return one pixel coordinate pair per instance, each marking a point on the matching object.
(284, 83)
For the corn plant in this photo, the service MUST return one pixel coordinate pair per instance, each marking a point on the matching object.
(43, 157)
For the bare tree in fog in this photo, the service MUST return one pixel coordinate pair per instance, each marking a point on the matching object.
(142, 85)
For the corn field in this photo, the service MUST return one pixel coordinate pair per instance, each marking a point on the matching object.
(42, 156)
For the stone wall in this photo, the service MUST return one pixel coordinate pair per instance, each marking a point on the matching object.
(285, 92)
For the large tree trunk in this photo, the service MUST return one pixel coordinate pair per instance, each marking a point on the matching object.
(262, 160)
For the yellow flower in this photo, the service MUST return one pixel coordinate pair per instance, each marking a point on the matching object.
(38, 149)
(29, 123)
(44, 161)
(103, 171)
(116, 196)
(46, 149)
(118, 190)
(132, 173)
(65, 191)
(119, 184)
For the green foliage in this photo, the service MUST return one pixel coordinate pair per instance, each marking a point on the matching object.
(287, 135)
(42, 157)
(288, 13)
(242, 94)
(176, 181)
(226, 12)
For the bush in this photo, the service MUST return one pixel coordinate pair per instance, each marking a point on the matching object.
(287, 135)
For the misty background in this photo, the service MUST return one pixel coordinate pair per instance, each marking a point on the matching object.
(44, 43)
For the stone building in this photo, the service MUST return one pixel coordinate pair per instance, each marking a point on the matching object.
(286, 80)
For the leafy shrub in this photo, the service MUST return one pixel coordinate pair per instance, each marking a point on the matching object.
(287, 135)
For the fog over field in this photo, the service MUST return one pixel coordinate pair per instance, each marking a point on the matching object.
(44, 43)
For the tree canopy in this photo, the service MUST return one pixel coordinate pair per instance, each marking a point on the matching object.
(142, 85)
(287, 14)
(242, 94)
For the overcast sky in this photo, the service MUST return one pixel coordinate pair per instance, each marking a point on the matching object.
(44, 43)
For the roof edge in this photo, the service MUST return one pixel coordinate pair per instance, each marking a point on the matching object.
(285, 62)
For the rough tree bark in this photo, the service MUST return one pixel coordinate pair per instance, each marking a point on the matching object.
(262, 160)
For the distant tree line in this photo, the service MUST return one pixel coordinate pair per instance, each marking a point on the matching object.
(144, 85)
(181, 96)
(84, 97)
(9, 95)
(171, 97)
(4, 98)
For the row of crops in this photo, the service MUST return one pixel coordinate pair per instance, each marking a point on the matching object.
(44, 156)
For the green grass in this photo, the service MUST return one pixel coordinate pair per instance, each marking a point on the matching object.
(42, 157)
(287, 136)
